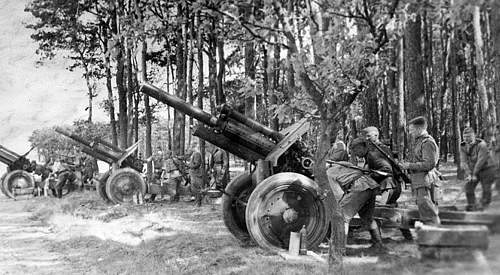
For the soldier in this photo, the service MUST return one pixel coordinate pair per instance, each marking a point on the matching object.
(90, 168)
(360, 191)
(338, 152)
(218, 164)
(479, 166)
(196, 174)
(392, 190)
(422, 168)
(65, 177)
(172, 173)
(158, 169)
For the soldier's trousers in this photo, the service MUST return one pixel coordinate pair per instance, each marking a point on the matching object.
(487, 178)
(427, 209)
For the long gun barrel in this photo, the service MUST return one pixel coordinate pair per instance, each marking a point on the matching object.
(94, 149)
(7, 156)
(179, 104)
(250, 139)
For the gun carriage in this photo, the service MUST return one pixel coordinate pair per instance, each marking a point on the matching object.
(18, 180)
(124, 180)
(278, 195)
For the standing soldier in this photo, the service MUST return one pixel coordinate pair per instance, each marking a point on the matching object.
(158, 170)
(196, 174)
(479, 166)
(393, 188)
(65, 177)
(338, 151)
(218, 164)
(172, 173)
(422, 168)
(90, 168)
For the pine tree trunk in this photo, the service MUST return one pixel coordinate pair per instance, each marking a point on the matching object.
(413, 61)
(481, 86)
(401, 100)
(120, 80)
(200, 90)
(130, 97)
(495, 36)
(179, 118)
(109, 88)
(190, 77)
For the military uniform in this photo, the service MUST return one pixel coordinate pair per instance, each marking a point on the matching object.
(173, 175)
(390, 184)
(478, 162)
(196, 176)
(218, 165)
(359, 196)
(425, 177)
(65, 177)
(158, 169)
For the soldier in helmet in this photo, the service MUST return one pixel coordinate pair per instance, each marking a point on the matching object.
(392, 191)
(360, 190)
(196, 174)
(218, 164)
(479, 166)
(172, 173)
(158, 169)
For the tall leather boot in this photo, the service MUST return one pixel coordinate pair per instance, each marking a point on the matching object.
(377, 245)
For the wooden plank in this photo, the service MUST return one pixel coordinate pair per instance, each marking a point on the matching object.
(471, 236)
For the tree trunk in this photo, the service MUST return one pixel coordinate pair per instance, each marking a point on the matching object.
(190, 77)
(455, 106)
(413, 61)
(200, 90)
(220, 96)
(495, 36)
(401, 100)
(122, 97)
(130, 97)
(109, 77)
(179, 118)
(481, 86)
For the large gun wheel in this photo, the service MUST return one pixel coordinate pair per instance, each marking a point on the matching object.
(234, 205)
(101, 186)
(17, 179)
(123, 184)
(283, 203)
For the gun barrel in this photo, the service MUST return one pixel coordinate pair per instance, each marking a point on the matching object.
(7, 156)
(179, 104)
(102, 152)
(252, 124)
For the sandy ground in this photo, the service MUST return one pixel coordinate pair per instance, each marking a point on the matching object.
(81, 235)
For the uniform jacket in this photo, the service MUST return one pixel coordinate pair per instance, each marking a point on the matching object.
(376, 161)
(195, 167)
(351, 180)
(476, 157)
(423, 161)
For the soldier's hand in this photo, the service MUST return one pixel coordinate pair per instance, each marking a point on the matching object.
(468, 178)
(404, 165)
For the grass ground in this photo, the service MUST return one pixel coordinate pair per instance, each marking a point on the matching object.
(179, 238)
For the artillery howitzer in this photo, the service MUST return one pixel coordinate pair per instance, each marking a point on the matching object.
(275, 198)
(18, 179)
(124, 180)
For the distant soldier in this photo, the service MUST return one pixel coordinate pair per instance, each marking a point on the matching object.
(338, 151)
(65, 178)
(196, 174)
(89, 169)
(158, 169)
(392, 189)
(479, 166)
(173, 173)
(218, 164)
(423, 173)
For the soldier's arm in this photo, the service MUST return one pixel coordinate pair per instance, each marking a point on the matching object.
(482, 157)
(428, 159)
(463, 160)
(195, 161)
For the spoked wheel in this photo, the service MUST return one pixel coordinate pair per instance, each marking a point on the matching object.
(101, 186)
(283, 203)
(123, 184)
(234, 204)
(1, 184)
(17, 179)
